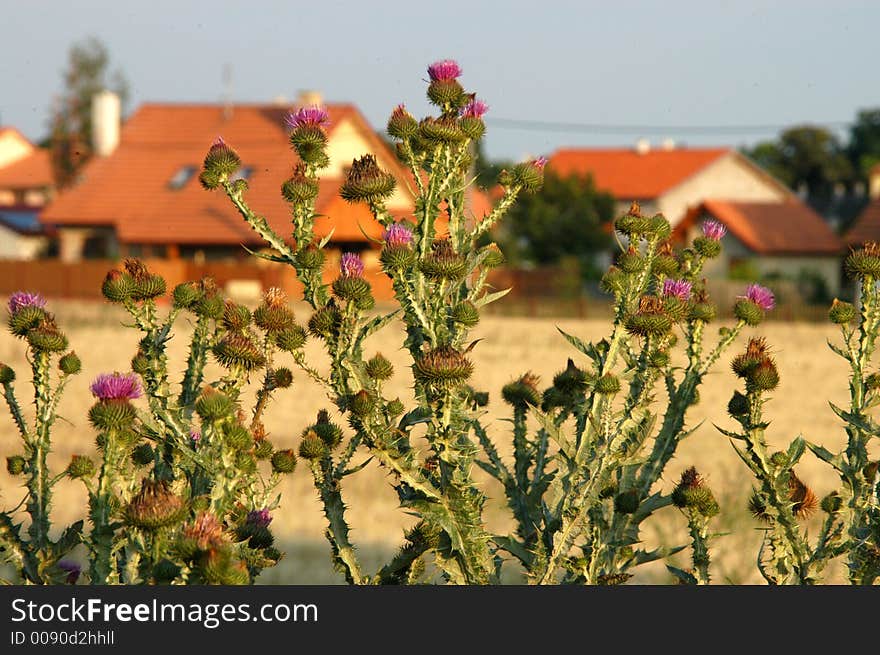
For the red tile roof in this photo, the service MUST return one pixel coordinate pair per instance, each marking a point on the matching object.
(33, 171)
(129, 189)
(866, 227)
(629, 175)
(768, 228)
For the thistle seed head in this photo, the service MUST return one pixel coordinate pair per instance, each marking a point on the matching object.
(367, 182)
(155, 506)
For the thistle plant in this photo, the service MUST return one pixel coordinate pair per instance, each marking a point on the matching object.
(582, 486)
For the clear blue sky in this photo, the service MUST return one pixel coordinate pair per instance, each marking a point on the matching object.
(624, 62)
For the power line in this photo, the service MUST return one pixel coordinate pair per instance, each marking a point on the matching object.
(605, 128)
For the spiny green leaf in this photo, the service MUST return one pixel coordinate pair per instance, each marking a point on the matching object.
(683, 576)
(795, 450)
(487, 298)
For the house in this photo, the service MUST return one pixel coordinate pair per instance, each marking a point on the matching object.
(140, 194)
(774, 239)
(670, 179)
(26, 186)
(866, 226)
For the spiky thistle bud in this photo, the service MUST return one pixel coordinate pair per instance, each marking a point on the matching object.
(281, 377)
(471, 118)
(402, 124)
(571, 380)
(145, 285)
(361, 403)
(283, 461)
(185, 295)
(832, 503)
(738, 405)
(750, 308)
(143, 455)
(7, 375)
(312, 446)
(235, 317)
(70, 364)
(613, 280)
(263, 449)
(117, 286)
(691, 492)
(238, 350)
(329, 432)
(651, 319)
(379, 367)
(443, 263)
(300, 187)
(708, 248)
(367, 182)
(492, 256)
(80, 467)
(444, 90)
(466, 313)
(47, 337)
(665, 263)
(15, 464)
(756, 351)
(443, 367)
(397, 252)
(660, 226)
(395, 407)
(325, 322)
(308, 135)
(441, 131)
(608, 385)
(291, 339)
(523, 392)
(529, 175)
(351, 285)
(155, 506)
(310, 258)
(220, 162)
(633, 224)
(764, 377)
(864, 262)
(630, 261)
(237, 436)
(841, 312)
(213, 405)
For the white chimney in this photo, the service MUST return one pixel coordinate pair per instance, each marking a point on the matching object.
(106, 111)
(643, 146)
(309, 98)
(668, 144)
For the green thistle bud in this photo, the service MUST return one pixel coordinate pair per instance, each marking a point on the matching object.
(627, 502)
(473, 127)
(235, 316)
(841, 312)
(325, 322)
(466, 313)
(571, 380)
(665, 265)
(221, 160)
(443, 367)
(446, 92)
(213, 405)
(291, 339)
(379, 368)
(263, 449)
(864, 262)
(443, 262)
(367, 182)
(650, 320)
(112, 415)
(238, 437)
(310, 258)
(493, 257)
(554, 397)
(143, 455)
(260, 537)
(749, 312)
(273, 319)
(210, 305)
(7, 375)
(148, 287)
(612, 281)
(328, 432)
(283, 461)
(702, 311)
(394, 407)
(117, 286)
(155, 506)
(312, 447)
(310, 142)
(238, 350)
(16, 464)
(523, 392)
(80, 467)
(738, 405)
(779, 459)
(46, 337)
(660, 226)
(209, 180)
(708, 248)
(630, 261)
(281, 378)
(659, 359)
(397, 257)
(245, 462)
(608, 385)
(437, 131)
(185, 295)
(299, 188)
(676, 308)
(25, 319)
(832, 503)
(529, 175)
(402, 124)
(352, 288)
(140, 363)
(764, 377)
(634, 225)
(361, 404)
(70, 364)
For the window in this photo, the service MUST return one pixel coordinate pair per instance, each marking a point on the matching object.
(181, 177)
(243, 173)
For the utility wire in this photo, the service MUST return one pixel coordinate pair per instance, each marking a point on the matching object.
(597, 128)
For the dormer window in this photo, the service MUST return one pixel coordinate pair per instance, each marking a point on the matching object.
(181, 177)
(243, 173)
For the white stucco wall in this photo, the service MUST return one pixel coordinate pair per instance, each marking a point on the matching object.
(16, 246)
(728, 178)
(13, 147)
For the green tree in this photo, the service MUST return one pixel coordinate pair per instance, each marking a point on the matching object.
(806, 156)
(87, 73)
(864, 142)
(568, 218)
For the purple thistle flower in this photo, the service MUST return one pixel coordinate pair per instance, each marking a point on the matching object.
(307, 116)
(260, 518)
(474, 109)
(116, 386)
(398, 235)
(72, 569)
(444, 71)
(218, 143)
(761, 296)
(713, 230)
(351, 265)
(195, 436)
(680, 289)
(540, 163)
(21, 299)
(400, 111)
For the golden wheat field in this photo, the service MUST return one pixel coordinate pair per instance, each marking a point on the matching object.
(811, 377)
